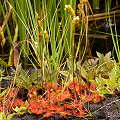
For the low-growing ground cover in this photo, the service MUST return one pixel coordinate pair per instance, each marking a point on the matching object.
(99, 78)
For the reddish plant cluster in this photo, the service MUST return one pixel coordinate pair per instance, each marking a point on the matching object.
(10, 101)
(57, 104)
(61, 101)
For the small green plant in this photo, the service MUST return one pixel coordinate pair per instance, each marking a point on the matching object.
(4, 117)
(23, 79)
(104, 72)
(20, 110)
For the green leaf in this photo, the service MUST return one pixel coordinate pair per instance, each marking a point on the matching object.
(3, 63)
(3, 93)
(101, 88)
(24, 84)
(103, 92)
(108, 64)
(8, 78)
(111, 84)
(83, 72)
(98, 79)
(119, 81)
(52, 74)
(19, 67)
(10, 116)
(107, 56)
(24, 75)
(65, 73)
(91, 75)
(113, 75)
(98, 54)
(26, 103)
(20, 110)
(101, 61)
(33, 76)
(2, 116)
(69, 64)
(103, 69)
(1, 72)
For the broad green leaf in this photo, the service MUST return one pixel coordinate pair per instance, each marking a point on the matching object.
(0, 79)
(111, 84)
(19, 79)
(117, 69)
(101, 88)
(33, 76)
(98, 54)
(71, 77)
(108, 54)
(24, 84)
(1, 74)
(76, 65)
(119, 83)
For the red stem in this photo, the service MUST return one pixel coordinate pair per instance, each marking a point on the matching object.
(75, 94)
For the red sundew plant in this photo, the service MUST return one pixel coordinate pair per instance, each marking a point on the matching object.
(60, 102)
(9, 102)
(1, 108)
(95, 97)
(92, 86)
(11, 93)
(18, 102)
(50, 85)
(63, 103)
